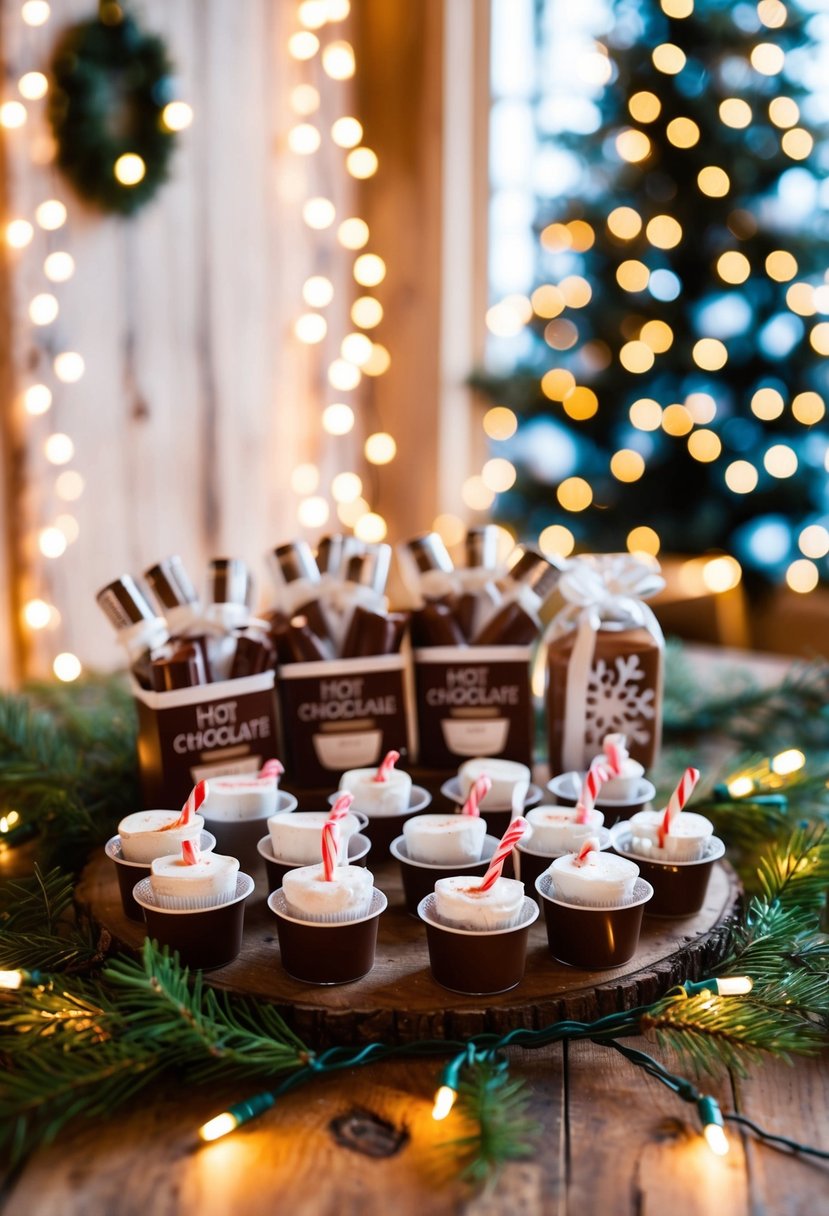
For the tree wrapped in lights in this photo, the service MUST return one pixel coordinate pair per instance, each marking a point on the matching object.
(678, 329)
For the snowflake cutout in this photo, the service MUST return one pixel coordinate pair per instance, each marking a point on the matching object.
(615, 703)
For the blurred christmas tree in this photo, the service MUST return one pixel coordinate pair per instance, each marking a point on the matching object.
(678, 332)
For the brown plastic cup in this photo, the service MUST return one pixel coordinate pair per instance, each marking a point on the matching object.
(324, 953)
(131, 872)
(382, 829)
(205, 938)
(679, 887)
(531, 865)
(593, 939)
(477, 963)
(358, 850)
(239, 837)
(419, 877)
(567, 787)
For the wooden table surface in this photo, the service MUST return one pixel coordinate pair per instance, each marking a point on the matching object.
(614, 1143)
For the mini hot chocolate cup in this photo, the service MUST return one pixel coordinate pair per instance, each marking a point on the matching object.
(131, 872)
(359, 847)
(419, 877)
(477, 963)
(592, 939)
(531, 863)
(318, 953)
(567, 786)
(382, 829)
(205, 938)
(679, 887)
(687, 839)
(239, 838)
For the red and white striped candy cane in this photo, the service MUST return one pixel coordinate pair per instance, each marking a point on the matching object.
(196, 798)
(591, 845)
(271, 768)
(509, 840)
(331, 835)
(478, 791)
(388, 763)
(615, 752)
(676, 802)
(190, 852)
(594, 779)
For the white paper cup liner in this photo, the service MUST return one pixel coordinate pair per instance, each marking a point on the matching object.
(642, 892)
(398, 850)
(622, 839)
(279, 904)
(527, 913)
(143, 894)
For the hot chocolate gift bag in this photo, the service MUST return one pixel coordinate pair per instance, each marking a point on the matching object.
(605, 661)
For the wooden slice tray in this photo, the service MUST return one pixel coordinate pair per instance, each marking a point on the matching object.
(398, 1001)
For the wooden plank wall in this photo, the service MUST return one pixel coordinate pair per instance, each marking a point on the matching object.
(196, 402)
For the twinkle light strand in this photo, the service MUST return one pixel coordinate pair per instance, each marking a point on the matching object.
(358, 354)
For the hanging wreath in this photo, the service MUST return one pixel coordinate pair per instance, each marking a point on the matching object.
(111, 84)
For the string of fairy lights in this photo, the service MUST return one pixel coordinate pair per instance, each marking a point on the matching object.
(43, 235)
(557, 304)
(358, 354)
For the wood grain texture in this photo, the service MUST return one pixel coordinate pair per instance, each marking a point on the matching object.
(197, 401)
(399, 1001)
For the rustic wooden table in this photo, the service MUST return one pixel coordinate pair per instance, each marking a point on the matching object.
(614, 1143)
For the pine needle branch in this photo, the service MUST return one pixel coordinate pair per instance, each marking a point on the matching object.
(503, 1130)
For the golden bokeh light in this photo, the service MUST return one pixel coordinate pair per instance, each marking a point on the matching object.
(353, 233)
(303, 45)
(627, 465)
(347, 132)
(702, 407)
(582, 236)
(668, 58)
(305, 479)
(636, 356)
(556, 541)
(809, 408)
(319, 213)
(59, 266)
(574, 494)
(450, 528)
(683, 132)
(814, 541)
(819, 338)
(644, 106)
(557, 383)
(37, 399)
(576, 291)
(338, 419)
(476, 494)
(338, 60)
(356, 348)
(313, 512)
(366, 312)
(658, 335)
(317, 291)
(349, 512)
(676, 419)
(50, 214)
(371, 528)
(369, 269)
(733, 266)
(69, 366)
(633, 145)
(129, 169)
(772, 13)
(346, 487)
(664, 232)
(499, 474)
(646, 414)
(581, 403)
(67, 667)
(741, 477)
(714, 181)
(632, 275)
(710, 354)
(767, 403)
(362, 163)
(380, 448)
(19, 233)
(797, 143)
(378, 362)
(734, 112)
(767, 58)
(177, 116)
(547, 301)
(704, 446)
(343, 375)
(13, 114)
(643, 540)
(304, 139)
(310, 328)
(781, 266)
(800, 298)
(500, 423)
(802, 576)
(33, 86)
(721, 574)
(677, 8)
(561, 334)
(624, 223)
(784, 112)
(556, 238)
(780, 461)
(304, 99)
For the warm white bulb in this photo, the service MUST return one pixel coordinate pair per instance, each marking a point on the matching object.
(11, 979)
(220, 1126)
(734, 985)
(716, 1139)
(177, 116)
(59, 267)
(51, 214)
(788, 762)
(444, 1101)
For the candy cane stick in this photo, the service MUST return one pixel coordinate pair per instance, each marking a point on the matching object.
(389, 761)
(616, 752)
(478, 791)
(676, 802)
(331, 835)
(594, 779)
(190, 852)
(271, 768)
(194, 801)
(508, 842)
(591, 845)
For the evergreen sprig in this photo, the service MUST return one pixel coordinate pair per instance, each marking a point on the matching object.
(502, 1129)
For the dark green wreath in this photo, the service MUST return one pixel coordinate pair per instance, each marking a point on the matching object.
(111, 83)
